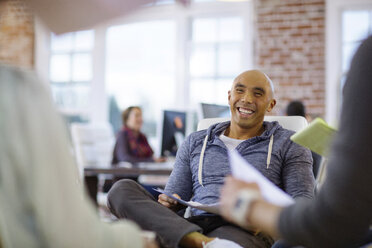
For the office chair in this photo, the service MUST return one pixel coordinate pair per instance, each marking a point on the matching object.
(93, 145)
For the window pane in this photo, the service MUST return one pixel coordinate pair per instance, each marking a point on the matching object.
(60, 68)
(355, 25)
(201, 1)
(229, 60)
(61, 43)
(204, 30)
(82, 67)
(84, 40)
(141, 66)
(348, 51)
(230, 29)
(210, 91)
(202, 62)
(161, 2)
(71, 96)
(222, 88)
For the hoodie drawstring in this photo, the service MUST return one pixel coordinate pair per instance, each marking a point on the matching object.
(200, 170)
(269, 151)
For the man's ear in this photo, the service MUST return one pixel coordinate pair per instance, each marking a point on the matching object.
(228, 96)
(271, 105)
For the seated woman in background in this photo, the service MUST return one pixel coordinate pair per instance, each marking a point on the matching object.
(131, 144)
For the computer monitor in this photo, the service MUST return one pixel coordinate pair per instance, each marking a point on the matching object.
(173, 132)
(214, 110)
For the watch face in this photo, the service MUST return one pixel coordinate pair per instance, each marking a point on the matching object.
(238, 203)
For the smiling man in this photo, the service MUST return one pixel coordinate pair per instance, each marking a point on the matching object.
(250, 98)
(202, 164)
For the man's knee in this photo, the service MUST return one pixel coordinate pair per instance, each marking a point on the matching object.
(117, 197)
(120, 187)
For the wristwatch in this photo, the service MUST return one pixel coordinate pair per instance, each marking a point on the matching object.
(242, 205)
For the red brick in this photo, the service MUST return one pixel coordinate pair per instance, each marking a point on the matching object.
(17, 35)
(291, 50)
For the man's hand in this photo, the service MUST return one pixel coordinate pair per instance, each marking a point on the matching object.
(229, 195)
(261, 214)
(150, 244)
(168, 202)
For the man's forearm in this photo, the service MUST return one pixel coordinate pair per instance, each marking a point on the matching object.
(265, 217)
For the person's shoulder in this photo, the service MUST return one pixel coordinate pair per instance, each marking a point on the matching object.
(281, 131)
(367, 45)
(197, 135)
(285, 132)
(121, 133)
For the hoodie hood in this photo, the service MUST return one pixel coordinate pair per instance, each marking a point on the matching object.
(217, 129)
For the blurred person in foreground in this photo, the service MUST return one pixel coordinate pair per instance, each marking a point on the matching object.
(341, 213)
(42, 203)
(131, 144)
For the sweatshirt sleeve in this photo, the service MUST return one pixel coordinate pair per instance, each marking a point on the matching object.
(180, 180)
(341, 213)
(297, 173)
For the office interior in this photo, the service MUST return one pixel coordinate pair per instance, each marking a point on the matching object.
(166, 56)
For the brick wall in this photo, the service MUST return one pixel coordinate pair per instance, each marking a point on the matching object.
(16, 34)
(290, 48)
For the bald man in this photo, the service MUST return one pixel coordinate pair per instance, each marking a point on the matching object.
(198, 175)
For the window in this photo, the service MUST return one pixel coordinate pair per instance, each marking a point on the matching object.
(356, 26)
(215, 57)
(71, 71)
(348, 23)
(141, 67)
(170, 57)
(163, 56)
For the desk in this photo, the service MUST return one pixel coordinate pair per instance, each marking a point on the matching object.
(120, 171)
(91, 174)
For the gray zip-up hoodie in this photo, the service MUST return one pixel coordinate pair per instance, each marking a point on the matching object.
(287, 165)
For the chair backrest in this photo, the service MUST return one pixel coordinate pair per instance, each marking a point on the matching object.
(294, 123)
(93, 144)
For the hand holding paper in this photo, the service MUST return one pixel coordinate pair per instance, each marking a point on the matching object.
(212, 208)
(242, 170)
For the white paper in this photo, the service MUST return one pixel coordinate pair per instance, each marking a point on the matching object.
(211, 208)
(244, 171)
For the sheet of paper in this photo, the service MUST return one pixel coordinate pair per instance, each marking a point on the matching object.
(211, 208)
(244, 171)
(317, 136)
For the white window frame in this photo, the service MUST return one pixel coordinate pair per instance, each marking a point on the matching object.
(334, 9)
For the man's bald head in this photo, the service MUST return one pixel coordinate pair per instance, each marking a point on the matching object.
(250, 98)
(255, 75)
